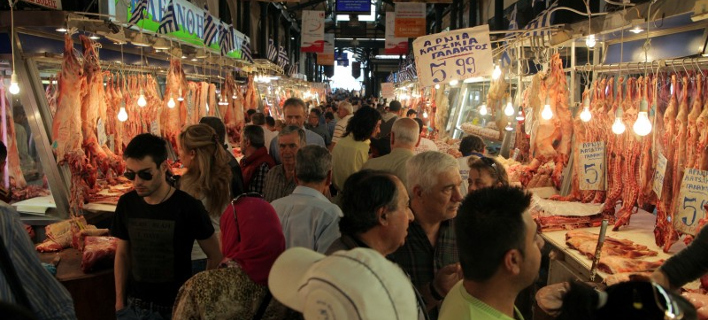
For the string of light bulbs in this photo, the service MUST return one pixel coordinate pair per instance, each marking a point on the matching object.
(14, 86)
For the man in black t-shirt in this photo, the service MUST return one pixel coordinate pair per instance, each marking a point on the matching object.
(156, 226)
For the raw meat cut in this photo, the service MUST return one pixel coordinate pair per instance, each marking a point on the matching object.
(586, 243)
(700, 301)
(99, 252)
(59, 235)
(614, 265)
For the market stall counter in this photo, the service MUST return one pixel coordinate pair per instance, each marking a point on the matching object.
(570, 264)
(93, 293)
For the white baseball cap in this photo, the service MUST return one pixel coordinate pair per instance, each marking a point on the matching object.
(354, 284)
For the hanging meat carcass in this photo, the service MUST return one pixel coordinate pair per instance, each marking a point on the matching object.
(52, 93)
(251, 95)
(647, 161)
(14, 167)
(233, 116)
(664, 232)
(176, 83)
(692, 139)
(630, 154)
(66, 125)
(551, 138)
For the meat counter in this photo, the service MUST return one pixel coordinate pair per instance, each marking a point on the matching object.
(570, 264)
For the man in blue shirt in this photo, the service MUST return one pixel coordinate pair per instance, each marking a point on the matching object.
(295, 113)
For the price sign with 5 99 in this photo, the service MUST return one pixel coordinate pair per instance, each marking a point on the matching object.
(453, 55)
(692, 197)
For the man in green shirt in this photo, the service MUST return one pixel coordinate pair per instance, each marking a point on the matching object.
(500, 254)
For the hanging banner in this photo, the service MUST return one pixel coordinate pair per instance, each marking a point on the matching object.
(326, 58)
(394, 45)
(428, 1)
(410, 20)
(692, 198)
(188, 21)
(453, 55)
(353, 6)
(659, 172)
(592, 166)
(387, 91)
(51, 4)
(313, 25)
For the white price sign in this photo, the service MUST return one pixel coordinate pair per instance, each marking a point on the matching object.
(659, 172)
(692, 197)
(453, 55)
(155, 128)
(592, 166)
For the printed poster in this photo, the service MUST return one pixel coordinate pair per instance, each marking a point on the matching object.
(313, 25)
(453, 55)
(394, 45)
(410, 20)
(692, 197)
(659, 172)
(387, 91)
(592, 166)
(326, 58)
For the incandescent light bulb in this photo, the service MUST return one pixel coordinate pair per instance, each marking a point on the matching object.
(585, 115)
(141, 100)
(547, 113)
(122, 114)
(496, 73)
(437, 86)
(171, 103)
(618, 127)
(14, 87)
(180, 97)
(591, 41)
(520, 115)
(483, 110)
(509, 109)
(454, 82)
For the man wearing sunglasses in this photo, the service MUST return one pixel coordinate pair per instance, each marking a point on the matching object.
(156, 226)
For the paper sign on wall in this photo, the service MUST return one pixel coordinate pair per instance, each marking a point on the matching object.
(692, 197)
(410, 20)
(101, 132)
(313, 26)
(394, 45)
(387, 91)
(155, 128)
(453, 55)
(326, 58)
(659, 172)
(592, 166)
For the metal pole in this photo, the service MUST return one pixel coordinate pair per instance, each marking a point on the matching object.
(263, 46)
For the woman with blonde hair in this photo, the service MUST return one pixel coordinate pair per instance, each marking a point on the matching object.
(208, 176)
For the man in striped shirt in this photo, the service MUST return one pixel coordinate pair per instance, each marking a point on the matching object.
(345, 112)
(48, 299)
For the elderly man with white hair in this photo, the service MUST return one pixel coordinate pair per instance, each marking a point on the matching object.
(404, 138)
(345, 112)
(429, 254)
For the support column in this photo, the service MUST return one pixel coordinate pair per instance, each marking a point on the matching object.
(472, 14)
(263, 33)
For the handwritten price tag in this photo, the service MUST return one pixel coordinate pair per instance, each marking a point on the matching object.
(453, 55)
(101, 132)
(592, 166)
(659, 172)
(692, 197)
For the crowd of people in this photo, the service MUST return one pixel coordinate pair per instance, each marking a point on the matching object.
(324, 217)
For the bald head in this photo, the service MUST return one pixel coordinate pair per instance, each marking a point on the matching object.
(404, 133)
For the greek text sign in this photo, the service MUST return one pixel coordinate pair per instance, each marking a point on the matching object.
(410, 20)
(453, 55)
(592, 166)
(394, 45)
(313, 26)
(659, 172)
(692, 197)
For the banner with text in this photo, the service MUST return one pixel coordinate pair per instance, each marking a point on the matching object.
(394, 45)
(51, 4)
(387, 91)
(658, 185)
(592, 166)
(410, 20)
(189, 23)
(313, 25)
(428, 1)
(326, 58)
(453, 55)
(692, 198)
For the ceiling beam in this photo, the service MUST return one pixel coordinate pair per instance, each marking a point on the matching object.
(362, 43)
(305, 5)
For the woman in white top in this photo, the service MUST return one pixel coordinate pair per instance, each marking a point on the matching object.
(207, 178)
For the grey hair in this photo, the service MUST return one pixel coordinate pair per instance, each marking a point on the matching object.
(292, 129)
(406, 131)
(424, 168)
(347, 106)
(254, 134)
(312, 164)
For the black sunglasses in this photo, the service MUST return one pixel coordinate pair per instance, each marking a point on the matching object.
(143, 174)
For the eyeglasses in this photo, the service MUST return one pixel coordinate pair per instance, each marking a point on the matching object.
(143, 174)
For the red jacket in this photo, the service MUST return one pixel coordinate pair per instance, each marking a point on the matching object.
(253, 162)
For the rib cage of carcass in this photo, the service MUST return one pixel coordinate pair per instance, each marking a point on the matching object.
(550, 139)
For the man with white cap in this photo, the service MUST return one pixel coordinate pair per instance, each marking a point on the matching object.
(354, 284)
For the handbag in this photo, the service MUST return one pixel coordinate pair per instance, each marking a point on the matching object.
(8, 270)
